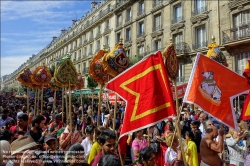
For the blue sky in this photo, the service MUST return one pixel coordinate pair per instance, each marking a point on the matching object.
(28, 26)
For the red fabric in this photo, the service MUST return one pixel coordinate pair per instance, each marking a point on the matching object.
(245, 114)
(123, 145)
(232, 165)
(139, 85)
(212, 87)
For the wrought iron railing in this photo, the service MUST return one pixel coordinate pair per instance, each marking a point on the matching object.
(236, 34)
(199, 10)
(157, 27)
(177, 19)
(128, 19)
(157, 3)
(140, 12)
(182, 48)
(140, 34)
(200, 45)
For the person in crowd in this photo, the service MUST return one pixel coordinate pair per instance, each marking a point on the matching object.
(237, 147)
(31, 115)
(18, 110)
(5, 140)
(4, 117)
(96, 148)
(122, 146)
(88, 141)
(52, 156)
(209, 148)
(173, 154)
(107, 141)
(22, 150)
(109, 160)
(185, 121)
(190, 149)
(36, 131)
(138, 144)
(69, 137)
(22, 126)
(147, 156)
(197, 135)
(56, 125)
(155, 140)
(202, 119)
(75, 155)
(9, 124)
(247, 161)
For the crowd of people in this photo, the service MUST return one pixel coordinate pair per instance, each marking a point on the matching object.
(48, 139)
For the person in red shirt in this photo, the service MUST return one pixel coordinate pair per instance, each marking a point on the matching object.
(22, 126)
(56, 125)
(107, 142)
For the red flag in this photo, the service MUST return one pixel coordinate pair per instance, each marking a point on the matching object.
(213, 87)
(145, 88)
(245, 114)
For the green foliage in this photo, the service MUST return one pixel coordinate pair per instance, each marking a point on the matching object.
(92, 84)
(134, 59)
(52, 70)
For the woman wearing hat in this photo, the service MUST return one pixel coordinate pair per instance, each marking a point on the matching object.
(68, 137)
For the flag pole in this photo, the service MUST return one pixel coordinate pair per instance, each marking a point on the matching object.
(42, 98)
(28, 104)
(115, 109)
(35, 101)
(67, 106)
(38, 98)
(178, 122)
(99, 105)
(223, 151)
(63, 105)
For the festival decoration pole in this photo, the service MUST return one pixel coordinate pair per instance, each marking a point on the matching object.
(115, 110)
(70, 109)
(54, 102)
(171, 64)
(42, 98)
(63, 105)
(28, 104)
(99, 105)
(35, 101)
(38, 98)
(67, 106)
(92, 106)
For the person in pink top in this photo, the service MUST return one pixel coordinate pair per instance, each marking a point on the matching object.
(138, 144)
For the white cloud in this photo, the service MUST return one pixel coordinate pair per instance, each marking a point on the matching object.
(10, 64)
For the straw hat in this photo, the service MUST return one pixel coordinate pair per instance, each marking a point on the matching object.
(21, 144)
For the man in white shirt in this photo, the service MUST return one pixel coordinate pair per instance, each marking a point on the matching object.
(202, 119)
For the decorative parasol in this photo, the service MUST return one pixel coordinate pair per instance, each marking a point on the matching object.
(25, 77)
(41, 76)
(215, 53)
(116, 61)
(79, 83)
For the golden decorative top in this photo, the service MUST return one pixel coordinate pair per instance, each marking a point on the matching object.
(121, 41)
(104, 47)
(213, 39)
(171, 41)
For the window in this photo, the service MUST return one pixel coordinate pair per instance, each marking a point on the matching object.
(241, 60)
(128, 52)
(78, 67)
(157, 22)
(91, 35)
(157, 2)
(141, 8)
(180, 76)
(199, 6)
(85, 51)
(71, 46)
(141, 50)
(98, 45)
(79, 54)
(75, 44)
(74, 56)
(128, 15)
(107, 25)
(239, 20)
(201, 37)
(118, 37)
(178, 38)
(106, 41)
(128, 34)
(80, 41)
(98, 30)
(84, 67)
(119, 20)
(177, 14)
(141, 29)
(90, 49)
(156, 45)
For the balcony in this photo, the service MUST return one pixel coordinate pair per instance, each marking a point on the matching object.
(90, 53)
(157, 3)
(119, 24)
(140, 34)
(85, 71)
(140, 12)
(128, 19)
(200, 45)
(199, 10)
(177, 19)
(157, 27)
(182, 48)
(127, 39)
(236, 34)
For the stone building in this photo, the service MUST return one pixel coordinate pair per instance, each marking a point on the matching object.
(147, 26)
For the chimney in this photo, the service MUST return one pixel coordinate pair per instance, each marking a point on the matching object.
(73, 22)
(93, 4)
(54, 38)
(63, 31)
